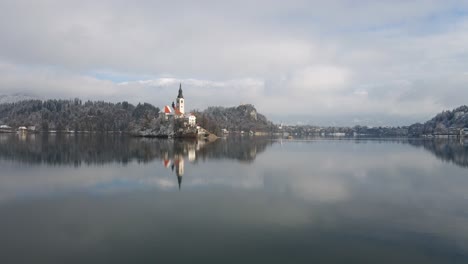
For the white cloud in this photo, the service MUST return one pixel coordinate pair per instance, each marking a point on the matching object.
(320, 78)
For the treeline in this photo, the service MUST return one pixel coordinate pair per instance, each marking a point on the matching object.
(61, 115)
(445, 123)
(234, 119)
(100, 116)
(307, 130)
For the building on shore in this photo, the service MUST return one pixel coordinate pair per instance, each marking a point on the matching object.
(464, 132)
(6, 129)
(167, 113)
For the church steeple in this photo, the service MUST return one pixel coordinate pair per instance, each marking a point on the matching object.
(180, 91)
(180, 109)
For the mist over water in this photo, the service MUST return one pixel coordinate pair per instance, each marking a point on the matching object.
(112, 198)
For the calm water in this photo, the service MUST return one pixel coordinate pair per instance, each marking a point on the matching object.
(114, 199)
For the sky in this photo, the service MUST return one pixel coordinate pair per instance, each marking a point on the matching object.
(310, 62)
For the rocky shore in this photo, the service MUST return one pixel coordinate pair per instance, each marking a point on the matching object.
(170, 128)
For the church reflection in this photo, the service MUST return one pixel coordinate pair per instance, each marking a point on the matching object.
(176, 165)
(174, 160)
(98, 149)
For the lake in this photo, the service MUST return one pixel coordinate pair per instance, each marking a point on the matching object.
(116, 199)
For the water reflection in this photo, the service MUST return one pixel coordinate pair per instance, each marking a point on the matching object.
(449, 150)
(77, 150)
(102, 154)
(334, 201)
(66, 149)
(454, 150)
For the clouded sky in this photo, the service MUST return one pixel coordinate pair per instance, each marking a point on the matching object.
(318, 62)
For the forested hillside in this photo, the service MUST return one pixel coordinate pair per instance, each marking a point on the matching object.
(447, 122)
(75, 115)
(240, 118)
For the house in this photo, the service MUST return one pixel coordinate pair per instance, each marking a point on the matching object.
(5, 128)
(22, 129)
(192, 120)
(464, 131)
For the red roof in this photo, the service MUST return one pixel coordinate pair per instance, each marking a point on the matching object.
(167, 109)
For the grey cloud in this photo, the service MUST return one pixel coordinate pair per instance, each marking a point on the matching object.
(392, 59)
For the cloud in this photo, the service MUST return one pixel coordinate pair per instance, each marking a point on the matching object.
(394, 60)
(320, 78)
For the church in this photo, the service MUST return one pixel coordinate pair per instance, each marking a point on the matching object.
(177, 110)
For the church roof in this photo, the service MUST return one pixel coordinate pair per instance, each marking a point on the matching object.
(167, 110)
(180, 91)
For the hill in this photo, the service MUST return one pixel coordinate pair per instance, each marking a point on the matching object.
(241, 118)
(446, 122)
(75, 115)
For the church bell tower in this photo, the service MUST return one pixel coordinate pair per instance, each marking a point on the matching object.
(180, 101)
